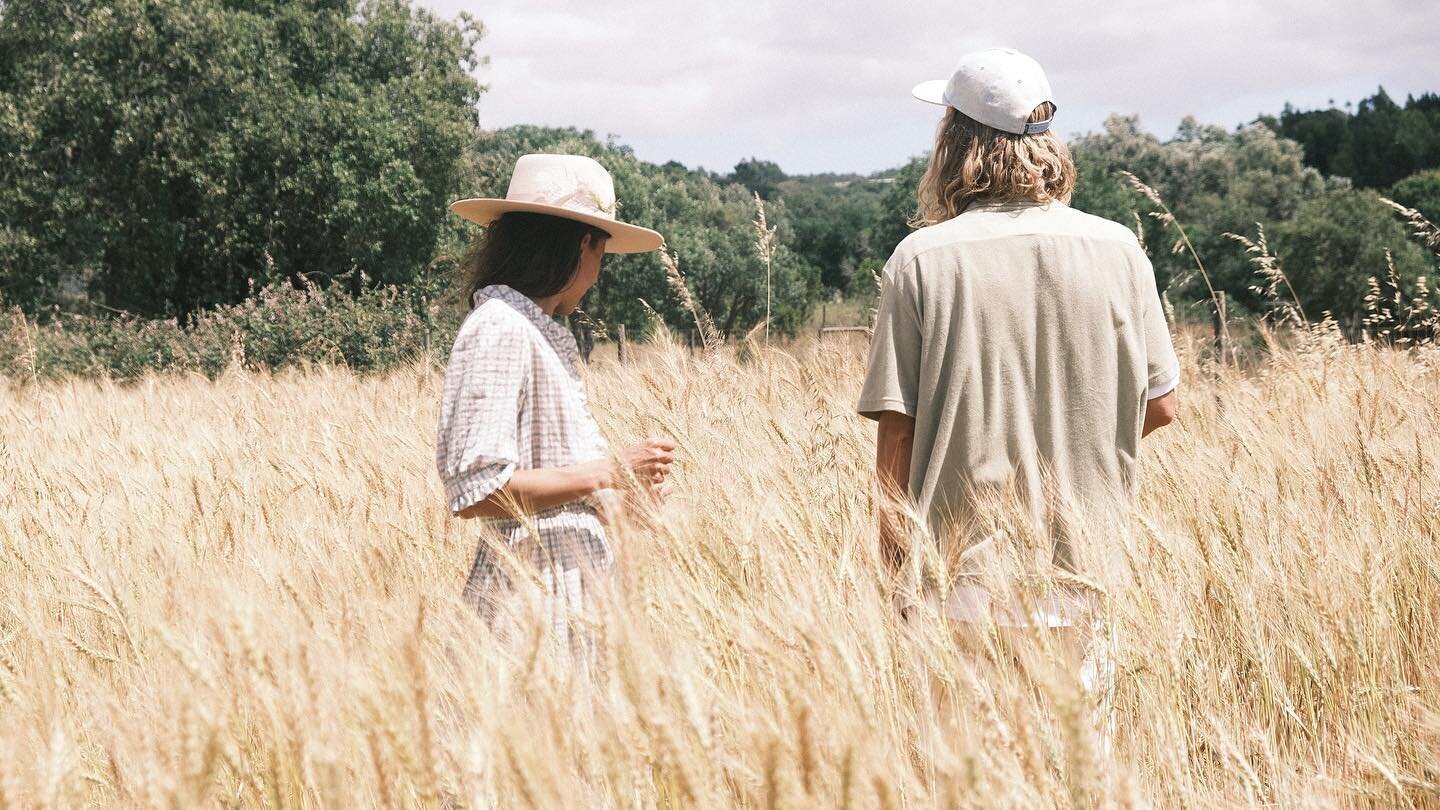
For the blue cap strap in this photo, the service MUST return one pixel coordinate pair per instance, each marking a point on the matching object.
(1038, 127)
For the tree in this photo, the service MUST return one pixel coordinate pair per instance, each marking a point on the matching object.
(1376, 146)
(1214, 180)
(1100, 190)
(759, 176)
(1321, 133)
(833, 222)
(166, 155)
(1420, 191)
(1336, 242)
(899, 205)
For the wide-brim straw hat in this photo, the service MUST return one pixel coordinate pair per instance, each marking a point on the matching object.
(568, 186)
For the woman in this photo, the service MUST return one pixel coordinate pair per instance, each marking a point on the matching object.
(517, 446)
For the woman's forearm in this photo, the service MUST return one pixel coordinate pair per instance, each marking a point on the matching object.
(531, 491)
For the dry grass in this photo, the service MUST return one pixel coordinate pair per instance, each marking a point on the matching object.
(246, 592)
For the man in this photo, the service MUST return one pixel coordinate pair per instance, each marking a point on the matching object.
(1019, 349)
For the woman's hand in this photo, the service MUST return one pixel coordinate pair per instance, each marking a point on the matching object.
(648, 464)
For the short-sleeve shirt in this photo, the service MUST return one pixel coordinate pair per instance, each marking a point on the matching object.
(1025, 340)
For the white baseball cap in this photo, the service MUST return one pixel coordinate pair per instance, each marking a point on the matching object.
(999, 87)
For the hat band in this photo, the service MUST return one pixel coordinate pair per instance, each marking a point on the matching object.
(582, 198)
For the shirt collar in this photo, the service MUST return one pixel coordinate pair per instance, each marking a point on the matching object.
(556, 335)
(1014, 205)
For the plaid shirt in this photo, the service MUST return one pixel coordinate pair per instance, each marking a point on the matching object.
(514, 400)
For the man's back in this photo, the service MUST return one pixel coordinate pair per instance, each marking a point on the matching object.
(1025, 339)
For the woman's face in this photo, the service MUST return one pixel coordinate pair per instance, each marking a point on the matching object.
(592, 252)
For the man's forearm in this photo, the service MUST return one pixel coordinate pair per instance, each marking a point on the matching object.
(1159, 412)
(894, 447)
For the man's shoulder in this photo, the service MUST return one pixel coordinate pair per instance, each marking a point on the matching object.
(1096, 227)
(1090, 226)
(1055, 220)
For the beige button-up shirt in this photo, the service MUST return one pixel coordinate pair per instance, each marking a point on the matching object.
(1025, 339)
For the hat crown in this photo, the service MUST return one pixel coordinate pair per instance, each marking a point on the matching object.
(566, 186)
(572, 182)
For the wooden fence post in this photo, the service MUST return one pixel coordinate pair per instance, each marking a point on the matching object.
(584, 338)
(623, 343)
(1223, 349)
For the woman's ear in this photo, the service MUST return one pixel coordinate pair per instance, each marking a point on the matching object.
(590, 241)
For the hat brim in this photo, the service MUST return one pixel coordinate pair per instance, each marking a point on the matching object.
(931, 92)
(624, 238)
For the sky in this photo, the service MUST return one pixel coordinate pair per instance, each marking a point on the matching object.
(825, 86)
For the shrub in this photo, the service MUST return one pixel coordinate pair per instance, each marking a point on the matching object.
(279, 326)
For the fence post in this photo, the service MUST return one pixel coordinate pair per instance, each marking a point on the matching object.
(824, 317)
(1222, 330)
(623, 343)
(584, 338)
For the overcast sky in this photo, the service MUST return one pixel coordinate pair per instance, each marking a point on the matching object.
(824, 86)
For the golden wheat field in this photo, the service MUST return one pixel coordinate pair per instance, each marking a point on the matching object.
(246, 593)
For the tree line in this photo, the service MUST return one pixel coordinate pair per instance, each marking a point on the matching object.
(1376, 143)
(163, 156)
(166, 157)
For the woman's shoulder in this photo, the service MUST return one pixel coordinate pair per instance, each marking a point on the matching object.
(494, 318)
(493, 326)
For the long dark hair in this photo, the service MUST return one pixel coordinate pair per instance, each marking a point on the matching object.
(535, 254)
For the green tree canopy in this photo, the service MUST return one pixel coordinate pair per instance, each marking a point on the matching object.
(762, 177)
(899, 204)
(1420, 191)
(1216, 181)
(1336, 242)
(1377, 145)
(834, 222)
(162, 155)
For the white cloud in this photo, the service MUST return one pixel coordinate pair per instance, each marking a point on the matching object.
(819, 87)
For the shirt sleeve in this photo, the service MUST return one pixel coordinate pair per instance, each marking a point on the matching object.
(486, 380)
(1162, 366)
(892, 375)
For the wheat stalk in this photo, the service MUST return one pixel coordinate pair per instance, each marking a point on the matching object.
(710, 337)
(1167, 217)
(765, 248)
(1267, 266)
(1424, 230)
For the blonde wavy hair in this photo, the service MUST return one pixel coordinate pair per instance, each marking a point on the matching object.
(973, 163)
